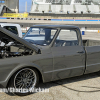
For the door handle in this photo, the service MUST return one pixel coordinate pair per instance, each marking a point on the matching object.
(80, 51)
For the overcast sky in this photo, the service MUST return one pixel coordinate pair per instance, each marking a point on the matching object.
(22, 5)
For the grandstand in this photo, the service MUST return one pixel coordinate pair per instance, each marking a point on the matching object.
(64, 9)
(67, 8)
(67, 2)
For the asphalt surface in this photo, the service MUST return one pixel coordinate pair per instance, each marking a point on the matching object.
(91, 35)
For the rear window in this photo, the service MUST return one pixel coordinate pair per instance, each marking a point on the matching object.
(12, 29)
(67, 38)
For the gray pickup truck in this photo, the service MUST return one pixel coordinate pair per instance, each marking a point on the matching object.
(47, 53)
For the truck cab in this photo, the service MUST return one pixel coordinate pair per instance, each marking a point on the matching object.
(72, 56)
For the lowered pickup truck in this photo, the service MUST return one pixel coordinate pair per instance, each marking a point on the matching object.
(47, 52)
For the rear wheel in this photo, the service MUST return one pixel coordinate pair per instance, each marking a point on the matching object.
(24, 80)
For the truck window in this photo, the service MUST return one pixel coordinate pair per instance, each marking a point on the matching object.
(40, 36)
(13, 29)
(67, 38)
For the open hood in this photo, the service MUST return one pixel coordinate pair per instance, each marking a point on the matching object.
(11, 36)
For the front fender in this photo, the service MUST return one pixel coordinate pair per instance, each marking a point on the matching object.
(18, 67)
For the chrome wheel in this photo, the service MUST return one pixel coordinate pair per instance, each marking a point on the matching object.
(25, 79)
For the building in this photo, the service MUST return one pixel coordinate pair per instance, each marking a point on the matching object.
(12, 4)
(65, 7)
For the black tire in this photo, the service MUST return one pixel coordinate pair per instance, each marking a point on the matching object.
(13, 81)
(98, 73)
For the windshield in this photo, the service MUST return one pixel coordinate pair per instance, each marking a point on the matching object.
(40, 36)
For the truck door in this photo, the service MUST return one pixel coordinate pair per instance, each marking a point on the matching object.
(68, 54)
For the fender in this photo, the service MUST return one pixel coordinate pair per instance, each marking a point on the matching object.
(20, 66)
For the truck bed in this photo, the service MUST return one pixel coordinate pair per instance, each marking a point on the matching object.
(92, 48)
(91, 42)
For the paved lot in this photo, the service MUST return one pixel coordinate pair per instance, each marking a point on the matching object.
(85, 87)
(91, 35)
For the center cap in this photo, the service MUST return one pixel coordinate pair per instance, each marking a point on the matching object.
(25, 80)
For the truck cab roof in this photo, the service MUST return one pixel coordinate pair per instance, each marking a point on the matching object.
(56, 26)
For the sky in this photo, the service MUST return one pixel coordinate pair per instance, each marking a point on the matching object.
(22, 5)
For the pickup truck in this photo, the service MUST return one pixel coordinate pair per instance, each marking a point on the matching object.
(47, 53)
(14, 28)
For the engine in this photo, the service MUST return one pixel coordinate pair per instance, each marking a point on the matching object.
(14, 49)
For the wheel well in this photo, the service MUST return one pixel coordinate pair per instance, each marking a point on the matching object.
(40, 75)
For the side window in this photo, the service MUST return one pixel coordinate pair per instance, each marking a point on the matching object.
(40, 36)
(13, 29)
(67, 38)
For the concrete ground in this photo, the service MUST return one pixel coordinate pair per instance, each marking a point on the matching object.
(85, 87)
(91, 35)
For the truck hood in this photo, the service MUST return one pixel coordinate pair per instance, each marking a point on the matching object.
(12, 36)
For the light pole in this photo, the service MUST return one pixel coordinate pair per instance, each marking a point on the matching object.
(26, 6)
(17, 6)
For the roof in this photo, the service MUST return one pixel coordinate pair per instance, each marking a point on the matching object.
(55, 26)
(10, 24)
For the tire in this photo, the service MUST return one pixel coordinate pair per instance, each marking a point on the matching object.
(98, 73)
(25, 78)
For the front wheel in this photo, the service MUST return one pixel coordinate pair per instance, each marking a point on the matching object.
(24, 81)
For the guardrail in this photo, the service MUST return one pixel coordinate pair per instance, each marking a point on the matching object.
(54, 19)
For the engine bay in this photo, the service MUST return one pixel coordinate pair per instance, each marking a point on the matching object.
(12, 48)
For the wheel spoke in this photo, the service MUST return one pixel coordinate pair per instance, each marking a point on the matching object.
(18, 78)
(20, 85)
(31, 78)
(29, 73)
(29, 84)
(26, 85)
(19, 81)
(22, 74)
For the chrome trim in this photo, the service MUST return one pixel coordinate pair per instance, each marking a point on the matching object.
(70, 68)
(93, 64)
(63, 69)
